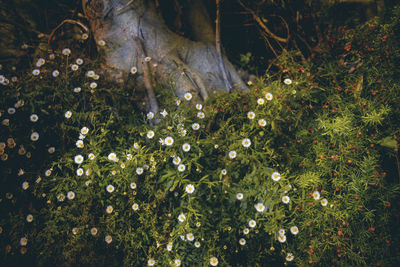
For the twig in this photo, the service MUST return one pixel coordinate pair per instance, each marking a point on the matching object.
(147, 76)
(264, 27)
(71, 21)
(218, 47)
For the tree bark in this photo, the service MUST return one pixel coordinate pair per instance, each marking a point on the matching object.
(192, 65)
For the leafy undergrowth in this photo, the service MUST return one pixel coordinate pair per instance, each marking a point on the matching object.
(301, 170)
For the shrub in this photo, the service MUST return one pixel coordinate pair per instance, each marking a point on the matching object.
(294, 171)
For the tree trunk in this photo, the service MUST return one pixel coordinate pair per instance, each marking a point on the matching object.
(135, 29)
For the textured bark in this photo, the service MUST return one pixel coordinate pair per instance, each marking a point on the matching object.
(191, 64)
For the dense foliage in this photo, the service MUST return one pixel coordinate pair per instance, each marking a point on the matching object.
(301, 170)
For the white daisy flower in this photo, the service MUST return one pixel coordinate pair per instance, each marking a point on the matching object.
(75, 230)
(90, 74)
(181, 168)
(246, 231)
(11, 111)
(150, 134)
(23, 241)
(101, 43)
(133, 70)
(246, 142)
(213, 261)
(190, 237)
(129, 156)
(285, 199)
(186, 147)
(197, 244)
(224, 172)
(66, 51)
(281, 232)
(316, 195)
(147, 59)
(251, 115)
(195, 126)
(181, 217)
(151, 262)
(242, 241)
(199, 106)
(262, 122)
(61, 197)
(276, 176)
(47, 173)
(34, 136)
(260, 101)
(188, 96)
(77, 89)
(287, 81)
(35, 72)
(79, 61)
(55, 73)
(68, 114)
(252, 223)
(139, 170)
(93, 85)
(294, 230)
(133, 185)
(268, 96)
(79, 172)
(178, 102)
(289, 256)
(164, 113)
(239, 196)
(108, 239)
(110, 188)
(40, 62)
(84, 130)
(232, 154)
(176, 160)
(324, 202)
(109, 209)
(29, 218)
(79, 144)
(34, 118)
(189, 189)
(91, 156)
(200, 115)
(169, 246)
(150, 115)
(25, 185)
(177, 262)
(112, 157)
(169, 141)
(259, 207)
(84, 36)
(93, 231)
(135, 206)
(70, 195)
(74, 67)
(282, 238)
